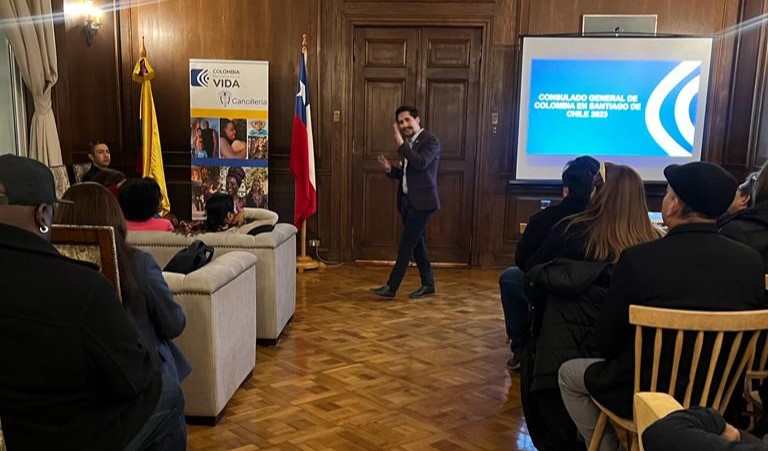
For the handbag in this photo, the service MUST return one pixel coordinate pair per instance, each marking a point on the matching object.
(191, 258)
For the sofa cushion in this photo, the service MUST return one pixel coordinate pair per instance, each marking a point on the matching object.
(211, 277)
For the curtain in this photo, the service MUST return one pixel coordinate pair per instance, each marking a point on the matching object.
(28, 24)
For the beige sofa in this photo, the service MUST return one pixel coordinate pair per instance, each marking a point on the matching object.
(219, 341)
(275, 268)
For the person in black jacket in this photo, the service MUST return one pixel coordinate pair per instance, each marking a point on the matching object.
(578, 176)
(701, 429)
(750, 225)
(75, 375)
(694, 268)
(150, 303)
(569, 288)
(98, 153)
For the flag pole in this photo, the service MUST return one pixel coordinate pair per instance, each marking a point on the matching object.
(305, 262)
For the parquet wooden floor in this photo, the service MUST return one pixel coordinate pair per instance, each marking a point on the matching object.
(356, 373)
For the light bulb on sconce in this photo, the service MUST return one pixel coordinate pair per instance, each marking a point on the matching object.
(89, 14)
(92, 21)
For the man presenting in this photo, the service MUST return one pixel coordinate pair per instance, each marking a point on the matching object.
(417, 199)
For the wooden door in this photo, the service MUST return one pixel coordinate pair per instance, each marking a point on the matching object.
(438, 70)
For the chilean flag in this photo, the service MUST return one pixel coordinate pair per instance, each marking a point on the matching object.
(303, 150)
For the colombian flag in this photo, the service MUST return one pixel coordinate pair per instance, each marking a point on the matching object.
(302, 161)
(151, 155)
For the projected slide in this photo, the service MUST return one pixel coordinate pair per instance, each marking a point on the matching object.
(613, 107)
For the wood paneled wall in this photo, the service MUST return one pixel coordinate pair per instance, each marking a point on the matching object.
(96, 99)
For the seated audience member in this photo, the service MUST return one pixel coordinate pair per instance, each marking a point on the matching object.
(750, 225)
(220, 216)
(110, 179)
(693, 267)
(140, 200)
(744, 195)
(98, 153)
(150, 303)
(700, 429)
(615, 219)
(75, 376)
(570, 285)
(578, 175)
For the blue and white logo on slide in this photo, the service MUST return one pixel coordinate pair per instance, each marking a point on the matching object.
(683, 120)
(199, 78)
(611, 108)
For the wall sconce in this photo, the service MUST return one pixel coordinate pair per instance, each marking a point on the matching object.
(89, 14)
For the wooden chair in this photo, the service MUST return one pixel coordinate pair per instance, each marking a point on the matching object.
(79, 170)
(757, 372)
(94, 244)
(61, 179)
(737, 332)
(650, 407)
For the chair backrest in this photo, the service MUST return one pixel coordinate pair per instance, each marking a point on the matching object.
(94, 244)
(61, 179)
(79, 170)
(723, 342)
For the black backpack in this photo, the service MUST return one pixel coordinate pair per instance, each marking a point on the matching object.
(193, 257)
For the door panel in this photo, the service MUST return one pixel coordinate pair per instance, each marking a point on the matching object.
(447, 100)
(385, 78)
(438, 70)
(450, 93)
(381, 100)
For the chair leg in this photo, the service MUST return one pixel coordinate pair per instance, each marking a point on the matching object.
(597, 435)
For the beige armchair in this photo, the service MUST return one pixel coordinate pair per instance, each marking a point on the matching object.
(275, 268)
(219, 341)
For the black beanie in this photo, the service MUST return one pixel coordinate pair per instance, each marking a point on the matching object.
(704, 187)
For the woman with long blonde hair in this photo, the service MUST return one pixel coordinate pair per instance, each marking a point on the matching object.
(616, 218)
(569, 276)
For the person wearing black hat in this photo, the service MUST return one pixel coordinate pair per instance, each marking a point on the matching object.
(578, 175)
(693, 267)
(75, 376)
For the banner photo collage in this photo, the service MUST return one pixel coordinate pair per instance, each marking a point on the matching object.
(229, 132)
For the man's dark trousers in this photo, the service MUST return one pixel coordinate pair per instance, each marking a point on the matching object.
(412, 243)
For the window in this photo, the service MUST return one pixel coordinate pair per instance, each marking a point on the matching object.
(12, 114)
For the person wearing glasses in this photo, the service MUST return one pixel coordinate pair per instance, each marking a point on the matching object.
(747, 218)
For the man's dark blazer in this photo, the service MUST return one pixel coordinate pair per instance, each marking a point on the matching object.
(421, 172)
(693, 268)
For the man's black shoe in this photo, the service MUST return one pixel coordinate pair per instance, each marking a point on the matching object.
(383, 291)
(425, 290)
